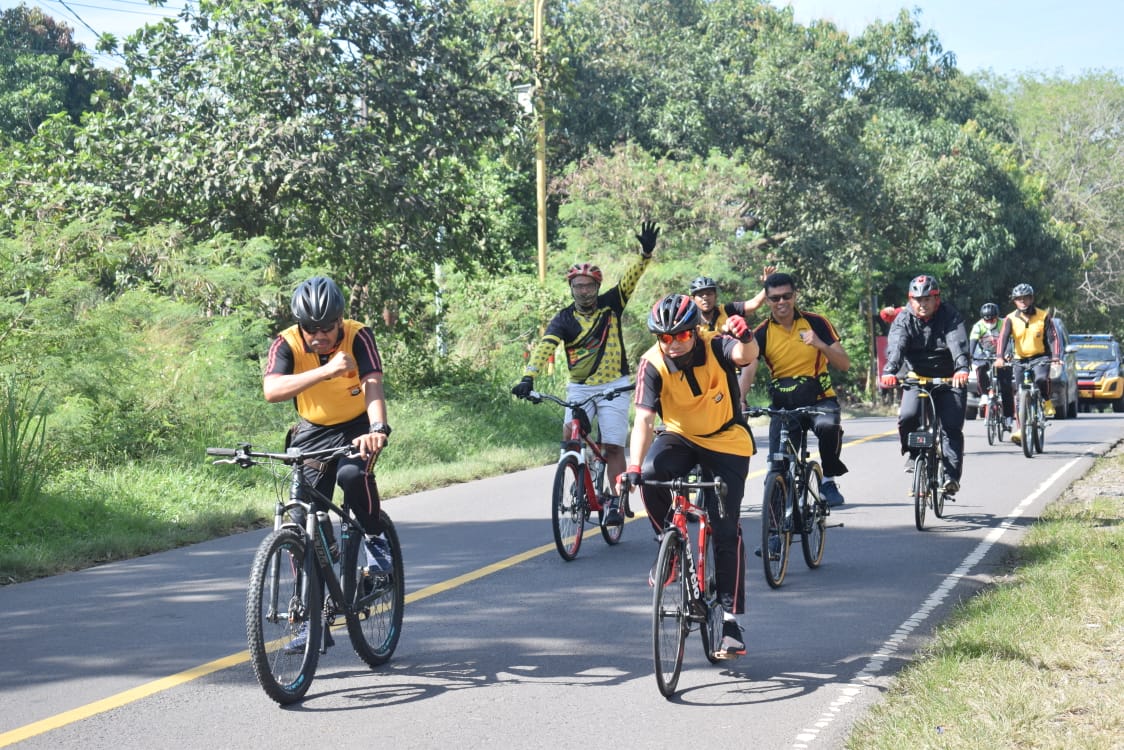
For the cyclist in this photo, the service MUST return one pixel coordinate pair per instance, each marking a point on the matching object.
(704, 292)
(982, 340)
(1029, 331)
(930, 337)
(330, 367)
(797, 347)
(590, 330)
(689, 379)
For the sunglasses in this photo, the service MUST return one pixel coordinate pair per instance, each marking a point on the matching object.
(785, 297)
(319, 327)
(667, 338)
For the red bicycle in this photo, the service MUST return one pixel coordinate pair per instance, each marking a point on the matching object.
(686, 590)
(580, 485)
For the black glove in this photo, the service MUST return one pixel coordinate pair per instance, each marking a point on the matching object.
(648, 234)
(524, 387)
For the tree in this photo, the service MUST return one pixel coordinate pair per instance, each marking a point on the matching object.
(1072, 133)
(43, 71)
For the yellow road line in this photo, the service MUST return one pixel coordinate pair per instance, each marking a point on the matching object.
(167, 683)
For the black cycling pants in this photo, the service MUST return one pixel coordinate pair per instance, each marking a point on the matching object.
(360, 493)
(949, 404)
(672, 456)
(827, 430)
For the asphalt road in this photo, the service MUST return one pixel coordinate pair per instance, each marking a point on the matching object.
(506, 645)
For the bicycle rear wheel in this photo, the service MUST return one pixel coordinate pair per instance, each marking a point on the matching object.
(921, 489)
(812, 517)
(374, 619)
(775, 537)
(283, 600)
(937, 485)
(669, 613)
(612, 534)
(568, 508)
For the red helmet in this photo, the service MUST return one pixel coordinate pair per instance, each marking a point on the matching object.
(584, 269)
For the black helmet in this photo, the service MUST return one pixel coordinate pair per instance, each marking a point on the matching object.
(924, 286)
(317, 301)
(672, 314)
(989, 310)
(701, 284)
(1022, 290)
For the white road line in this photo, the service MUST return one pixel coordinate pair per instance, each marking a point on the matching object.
(890, 647)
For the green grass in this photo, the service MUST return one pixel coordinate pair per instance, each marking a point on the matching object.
(88, 516)
(1036, 661)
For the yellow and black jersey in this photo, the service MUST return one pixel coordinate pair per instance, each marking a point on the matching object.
(695, 401)
(1031, 334)
(722, 313)
(336, 400)
(786, 354)
(594, 344)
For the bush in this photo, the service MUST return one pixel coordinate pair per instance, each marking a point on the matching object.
(22, 439)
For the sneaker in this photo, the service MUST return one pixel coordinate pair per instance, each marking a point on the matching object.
(1017, 437)
(831, 494)
(733, 643)
(774, 548)
(909, 461)
(1009, 424)
(613, 515)
(378, 555)
(1048, 408)
(296, 646)
(951, 487)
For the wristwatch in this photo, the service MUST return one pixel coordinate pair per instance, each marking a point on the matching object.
(382, 427)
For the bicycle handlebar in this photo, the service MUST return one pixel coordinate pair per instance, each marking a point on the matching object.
(245, 456)
(681, 485)
(776, 411)
(608, 394)
(918, 380)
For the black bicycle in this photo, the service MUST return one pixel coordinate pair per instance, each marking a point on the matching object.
(793, 502)
(928, 463)
(1031, 411)
(993, 411)
(294, 565)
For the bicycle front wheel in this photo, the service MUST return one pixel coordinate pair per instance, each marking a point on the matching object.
(776, 534)
(283, 604)
(374, 618)
(711, 630)
(1039, 428)
(921, 489)
(669, 613)
(568, 508)
(812, 516)
(1025, 411)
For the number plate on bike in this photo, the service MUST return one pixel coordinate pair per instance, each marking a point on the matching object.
(920, 440)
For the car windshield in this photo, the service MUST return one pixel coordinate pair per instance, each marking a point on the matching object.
(1095, 353)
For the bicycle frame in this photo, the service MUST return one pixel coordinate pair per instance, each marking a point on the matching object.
(685, 588)
(928, 441)
(1031, 410)
(288, 619)
(793, 473)
(580, 486)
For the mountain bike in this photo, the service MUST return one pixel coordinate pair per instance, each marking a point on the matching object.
(995, 422)
(294, 565)
(928, 463)
(1031, 411)
(580, 485)
(792, 503)
(685, 594)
